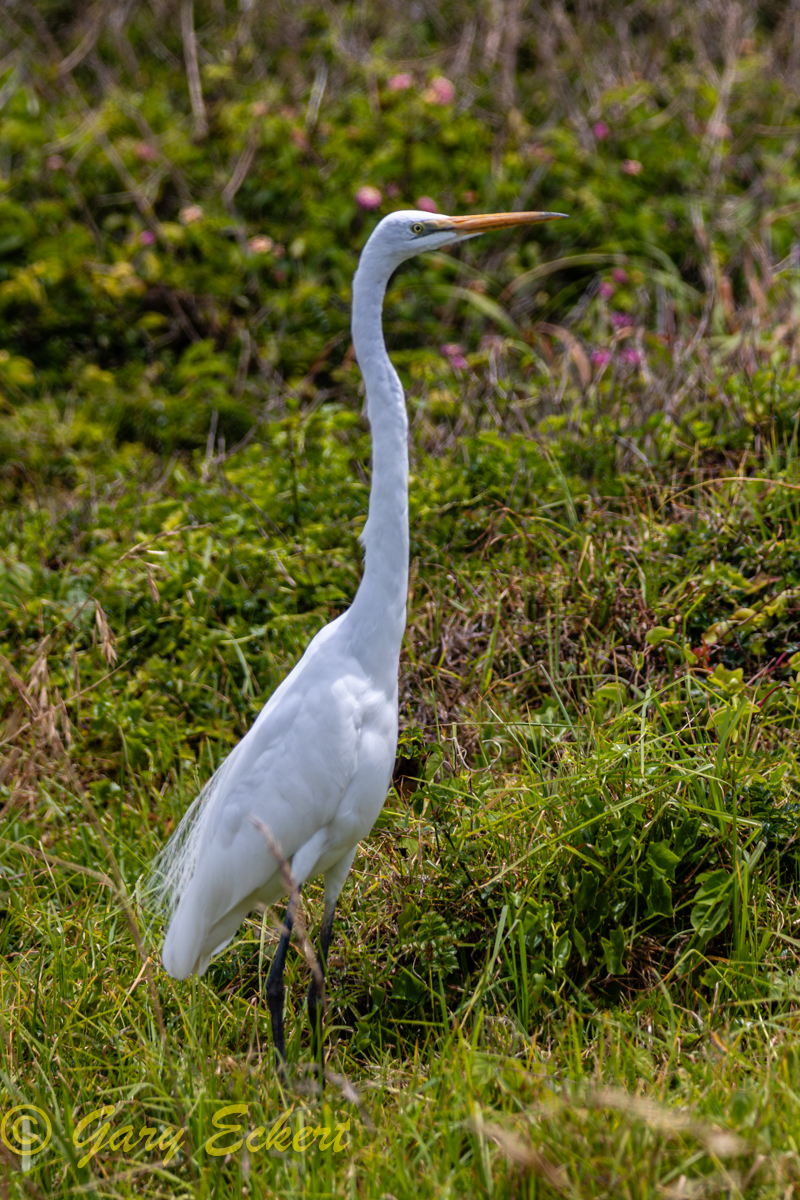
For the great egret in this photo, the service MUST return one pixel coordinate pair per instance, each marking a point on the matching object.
(314, 769)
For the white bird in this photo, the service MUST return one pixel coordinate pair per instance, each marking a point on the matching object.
(315, 767)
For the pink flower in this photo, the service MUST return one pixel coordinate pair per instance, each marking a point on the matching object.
(144, 152)
(606, 290)
(54, 163)
(368, 197)
(147, 237)
(601, 358)
(718, 129)
(441, 91)
(400, 83)
(190, 213)
(631, 167)
(600, 130)
(260, 244)
(620, 320)
(619, 276)
(392, 191)
(632, 357)
(425, 204)
(454, 354)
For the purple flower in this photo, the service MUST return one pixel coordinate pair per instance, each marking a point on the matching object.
(632, 357)
(426, 204)
(601, 358)
(619, 276)
(145, 153)
(606, 290)
(147, 237)
(600, 130)
(454, 355)
(621, 320)
(368, 197)
(400, 83)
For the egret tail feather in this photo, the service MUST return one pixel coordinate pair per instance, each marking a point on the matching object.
(172, 871)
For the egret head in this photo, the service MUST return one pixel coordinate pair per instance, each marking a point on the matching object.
(401, 235)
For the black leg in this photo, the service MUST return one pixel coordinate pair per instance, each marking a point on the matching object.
(276, 992)
(315, 992)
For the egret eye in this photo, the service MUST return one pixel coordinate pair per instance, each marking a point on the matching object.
(418, 227)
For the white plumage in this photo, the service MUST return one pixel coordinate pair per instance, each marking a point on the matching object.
(316, 765)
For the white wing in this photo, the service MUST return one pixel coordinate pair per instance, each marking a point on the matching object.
(306, 771)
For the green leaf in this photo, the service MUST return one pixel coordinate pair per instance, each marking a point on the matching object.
(686, 835)
(614, 951)
(579, 943)
(729, 682)
(659, 634)
(712, 904)
(663, 859)
(659, 898)
(587, 891)
(563, 949)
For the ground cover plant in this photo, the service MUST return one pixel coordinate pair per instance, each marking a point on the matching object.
(566, 959)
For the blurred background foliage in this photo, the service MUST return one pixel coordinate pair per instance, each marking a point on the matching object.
(185, 190)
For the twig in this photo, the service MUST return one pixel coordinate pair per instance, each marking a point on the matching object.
(86, 45)
(242, 167)
(523, 1154)
(350, 1093)
(192, 68)
(294, 900)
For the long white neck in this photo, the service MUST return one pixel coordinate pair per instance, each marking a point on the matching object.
(379, 608)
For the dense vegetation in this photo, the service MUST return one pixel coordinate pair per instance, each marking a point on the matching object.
(566, 957)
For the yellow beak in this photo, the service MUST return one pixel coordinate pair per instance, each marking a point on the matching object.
(483, 222)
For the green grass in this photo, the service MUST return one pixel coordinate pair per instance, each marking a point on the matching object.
(565, 961)
(565, 957)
